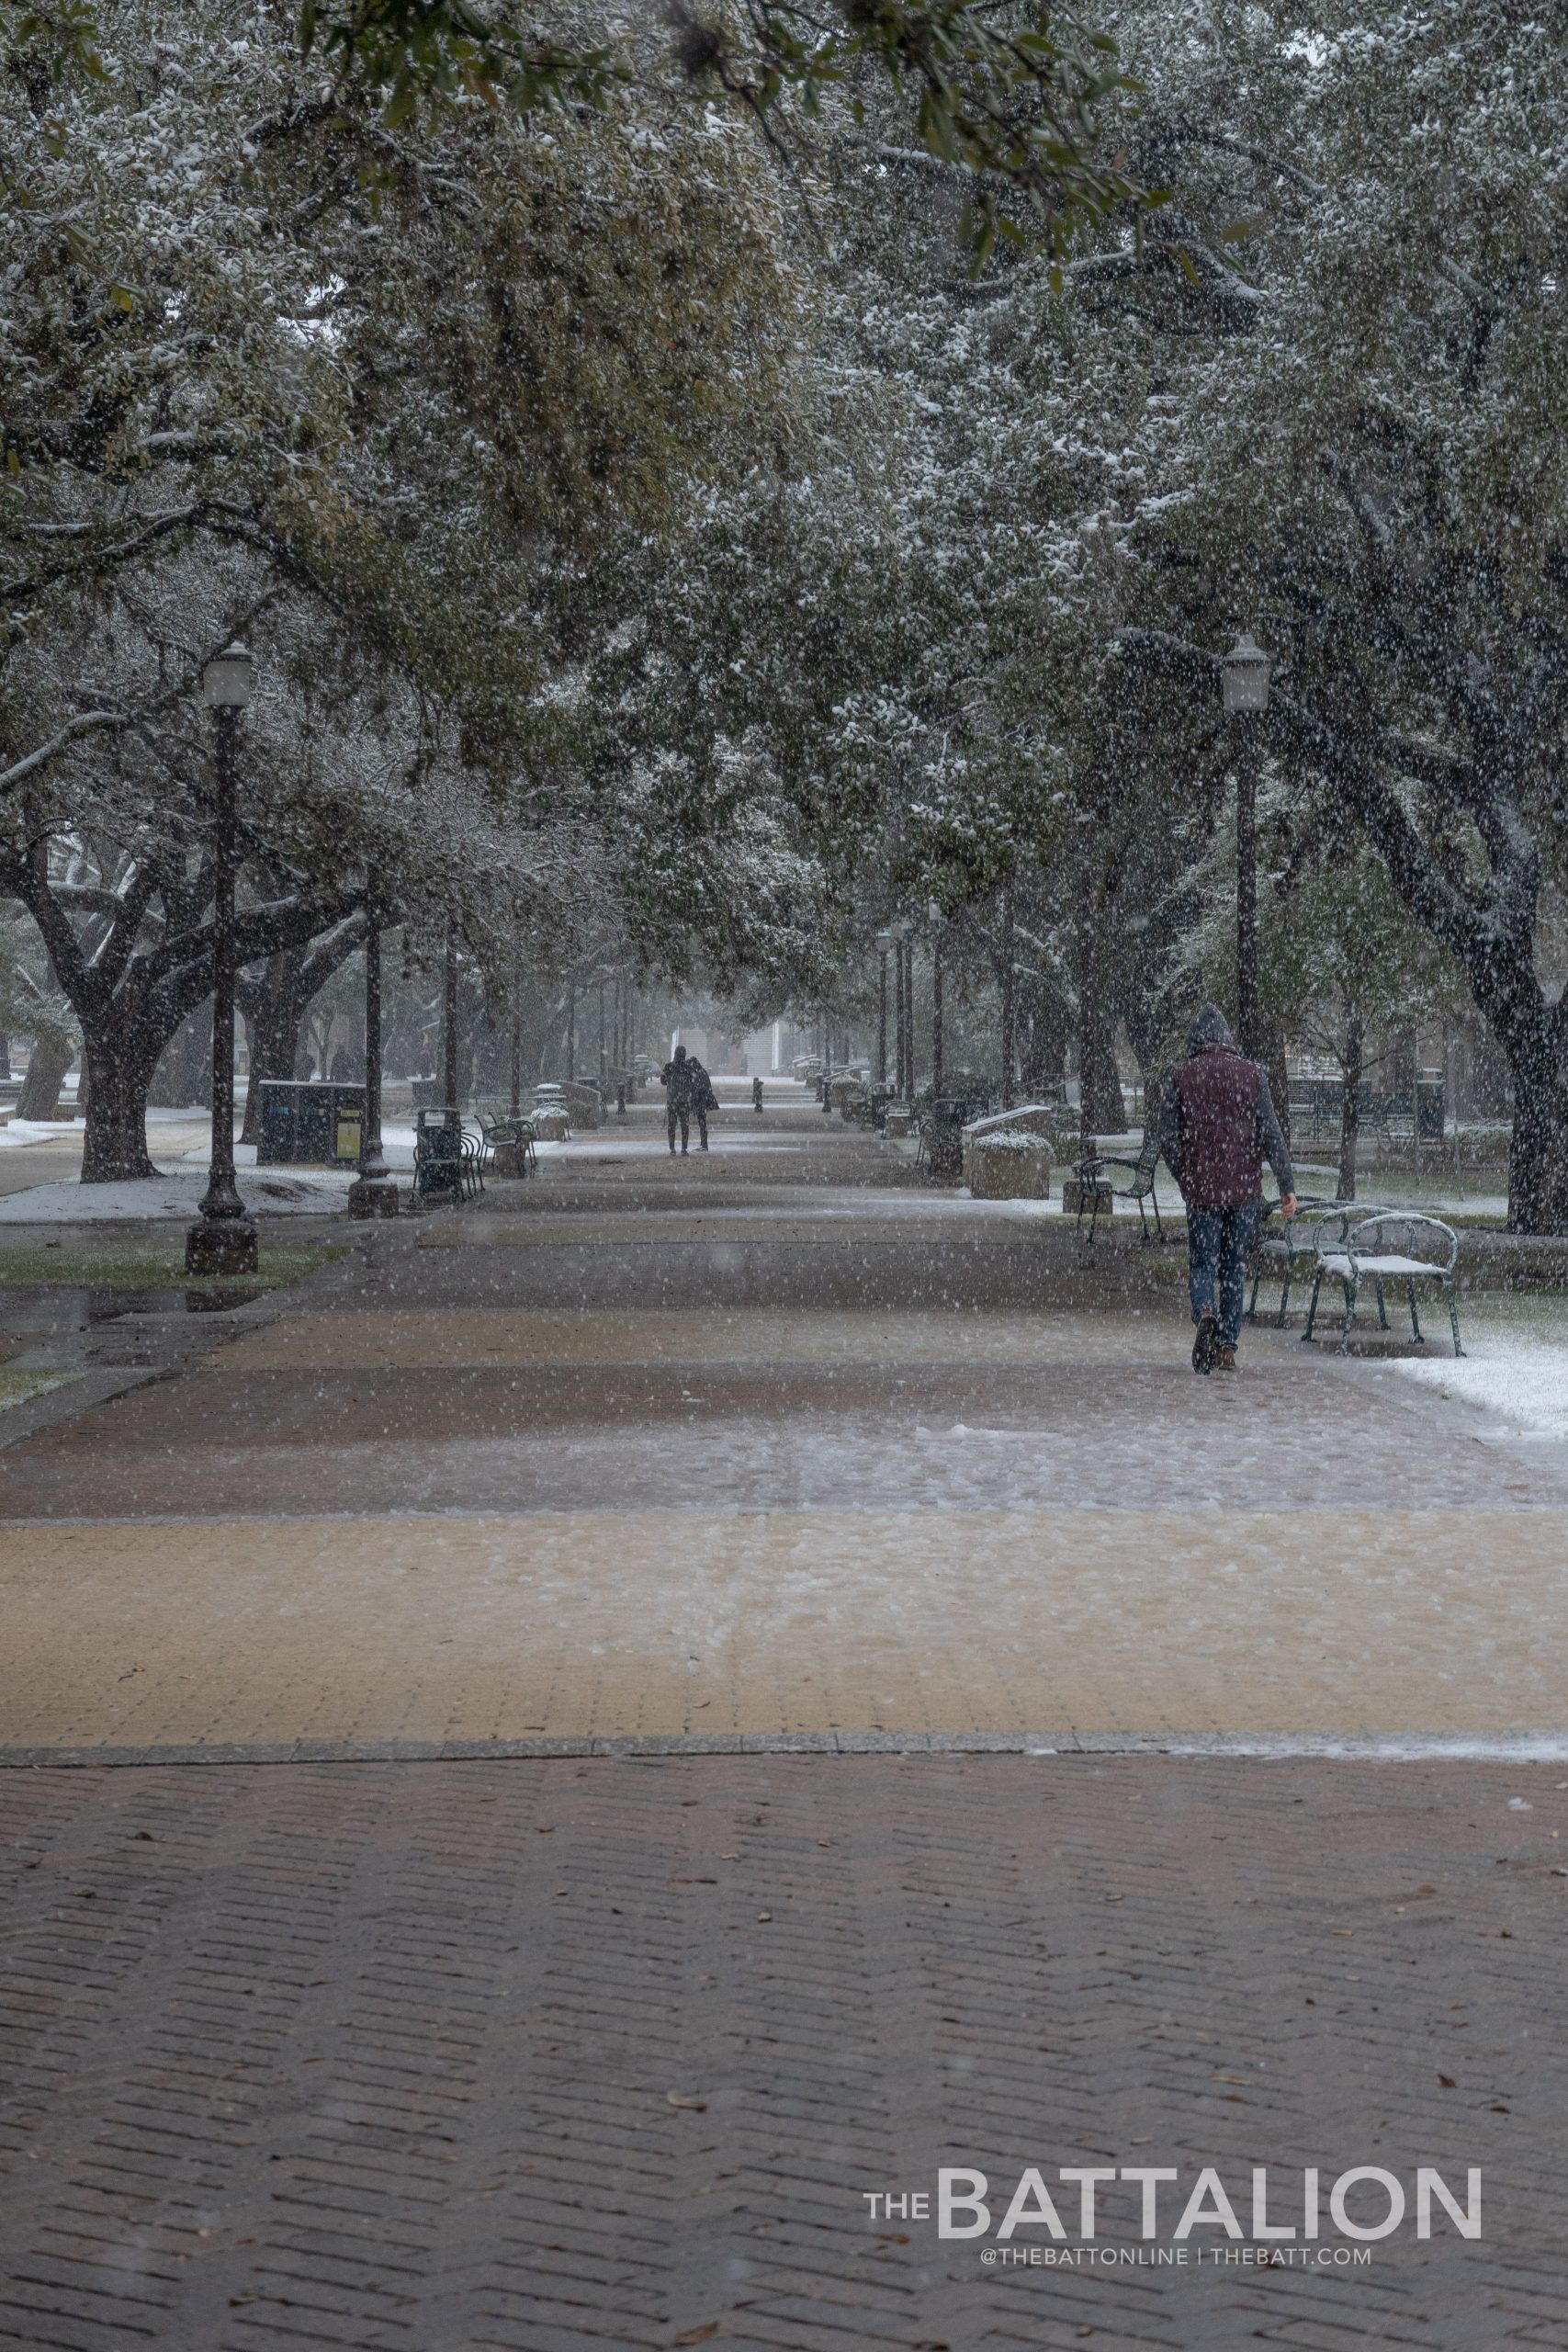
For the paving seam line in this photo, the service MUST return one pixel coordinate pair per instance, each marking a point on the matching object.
(1282, 1747)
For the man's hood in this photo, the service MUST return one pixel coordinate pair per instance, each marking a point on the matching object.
(1211, 1028)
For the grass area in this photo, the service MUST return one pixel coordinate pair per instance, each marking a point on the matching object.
(16, 1387)
(152, 1266)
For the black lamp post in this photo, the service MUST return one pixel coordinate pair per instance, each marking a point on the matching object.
(884, 941)
(1244, 673)
(223, 1241)
(934, 912)
(373, 1192)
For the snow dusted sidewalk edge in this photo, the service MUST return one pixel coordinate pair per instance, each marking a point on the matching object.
(1386, 1748)
(175, 1198)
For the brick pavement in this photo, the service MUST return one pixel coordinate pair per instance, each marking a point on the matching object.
(607, 2054)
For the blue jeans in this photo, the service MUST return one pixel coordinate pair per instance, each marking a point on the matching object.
(1217, 1243)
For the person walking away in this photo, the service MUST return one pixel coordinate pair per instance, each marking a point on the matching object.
(704, 1099)
(756, 1096)
(677, 1077)
(1217, 1124)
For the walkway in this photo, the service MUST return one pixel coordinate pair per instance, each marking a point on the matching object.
(625, 1491)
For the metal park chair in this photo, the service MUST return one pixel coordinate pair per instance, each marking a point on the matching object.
(1277, 1250)
(1094, 1182)
(1386, 1246)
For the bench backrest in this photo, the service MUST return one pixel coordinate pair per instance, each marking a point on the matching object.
(1362, 1230)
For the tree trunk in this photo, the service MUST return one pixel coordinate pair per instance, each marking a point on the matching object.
(273, 1016)
(1100, 1082)
(1279, 1072)
(1538, 1156)
(1350, 1105)
(115, 1146)
(183, 1079)
(39, 1097)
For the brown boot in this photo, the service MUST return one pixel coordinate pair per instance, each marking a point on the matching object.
(1224, 1360)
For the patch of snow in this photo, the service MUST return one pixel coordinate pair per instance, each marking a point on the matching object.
(20, 1131)
(1523, 1381)
(270, 1193)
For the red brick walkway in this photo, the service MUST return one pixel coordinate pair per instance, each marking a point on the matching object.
(607, 2054)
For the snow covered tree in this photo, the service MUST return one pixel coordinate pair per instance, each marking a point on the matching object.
(1350, 442)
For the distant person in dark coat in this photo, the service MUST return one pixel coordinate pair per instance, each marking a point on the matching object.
(1217, 1124)
(687, 1087)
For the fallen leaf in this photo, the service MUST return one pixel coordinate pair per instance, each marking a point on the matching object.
(680, 2098)
(1448, 2082)
(764, 1915)
(699, 2334)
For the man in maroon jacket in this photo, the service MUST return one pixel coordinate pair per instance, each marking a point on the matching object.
(1217, 1123)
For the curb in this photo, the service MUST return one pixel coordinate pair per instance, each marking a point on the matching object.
(1282, 1747)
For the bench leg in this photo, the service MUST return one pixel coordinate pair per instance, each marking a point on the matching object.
(1154, 1204)
(1312, 1308)
(1415, 1318)
(1143, 1222)
(1453, 1312)
(1284, 1298)
(1382, 1310)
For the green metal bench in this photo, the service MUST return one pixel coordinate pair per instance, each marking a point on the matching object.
(1386, 1246)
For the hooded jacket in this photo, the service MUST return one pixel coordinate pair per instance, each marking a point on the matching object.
(1218, 1122)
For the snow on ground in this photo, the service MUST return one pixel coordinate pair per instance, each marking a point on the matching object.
(1515, 1367)
(17, 1132)
(271, 1191)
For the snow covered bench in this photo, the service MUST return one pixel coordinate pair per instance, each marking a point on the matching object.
(1390, 1246)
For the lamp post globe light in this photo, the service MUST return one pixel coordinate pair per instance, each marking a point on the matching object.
(223, 1239)
(1244, 673)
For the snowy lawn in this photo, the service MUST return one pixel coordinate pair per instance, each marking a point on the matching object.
(1515, 1365)
(267, 1192)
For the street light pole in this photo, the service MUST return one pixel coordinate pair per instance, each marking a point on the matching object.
(884, 943)
(449, 1024)
(1009, 1002)
(224, 1241)
(936, 1015)
(1244, 673)
(900, 1014)
(373, 1192)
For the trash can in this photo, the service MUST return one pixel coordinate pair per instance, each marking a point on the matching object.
(309, 1123)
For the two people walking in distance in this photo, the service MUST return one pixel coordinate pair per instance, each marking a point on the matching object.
(687, 1089)
(1217, 1124)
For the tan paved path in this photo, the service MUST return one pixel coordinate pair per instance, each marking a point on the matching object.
(628, 1484)
(597, 1623)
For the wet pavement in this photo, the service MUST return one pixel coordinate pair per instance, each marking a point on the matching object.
(563, 2045)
